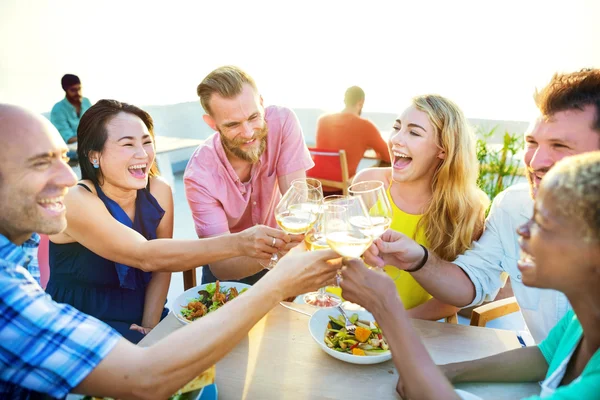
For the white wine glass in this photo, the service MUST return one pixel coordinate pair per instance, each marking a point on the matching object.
(315, 240)
(344, 237)
(315, 183)
(297, 211)
(377, 204)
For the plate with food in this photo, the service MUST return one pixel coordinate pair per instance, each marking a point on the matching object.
(367, 345)
(201, 387)
(198, 301)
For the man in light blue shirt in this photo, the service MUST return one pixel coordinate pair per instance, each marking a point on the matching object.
(66, 113)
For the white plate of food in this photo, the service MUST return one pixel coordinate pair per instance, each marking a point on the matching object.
(366, 346)
(200, 300)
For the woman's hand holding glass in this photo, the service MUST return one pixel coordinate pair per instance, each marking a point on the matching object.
(262, 241)
(396, 249)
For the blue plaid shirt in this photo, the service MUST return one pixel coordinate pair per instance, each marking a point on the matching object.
(45, 347)
(30, 247)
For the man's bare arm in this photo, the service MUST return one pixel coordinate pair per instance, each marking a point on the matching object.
(160, 370)
(236, 268)
(240, 267)
(285, 181)
(444, 280)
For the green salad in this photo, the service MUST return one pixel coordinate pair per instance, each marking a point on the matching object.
(209, 300)
(183, 396)
(367, 340)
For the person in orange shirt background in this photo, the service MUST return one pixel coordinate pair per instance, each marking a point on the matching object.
(347, 131)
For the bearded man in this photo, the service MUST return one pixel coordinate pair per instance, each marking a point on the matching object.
(235, 179)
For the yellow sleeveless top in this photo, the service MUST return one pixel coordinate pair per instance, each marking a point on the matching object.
(411, 293)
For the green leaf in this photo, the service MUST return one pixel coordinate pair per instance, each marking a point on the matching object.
(211, 288)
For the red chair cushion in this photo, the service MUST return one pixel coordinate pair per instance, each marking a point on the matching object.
(327, 165)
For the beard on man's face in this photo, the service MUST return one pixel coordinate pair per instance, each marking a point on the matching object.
(234, 146)
(74, 99)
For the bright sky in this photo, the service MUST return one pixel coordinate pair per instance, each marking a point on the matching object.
(488, 56)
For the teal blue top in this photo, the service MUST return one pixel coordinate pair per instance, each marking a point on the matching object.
(64, 117)
(557, 349)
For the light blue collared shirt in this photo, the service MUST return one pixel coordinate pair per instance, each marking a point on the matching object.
(64, 117)
(495, 255)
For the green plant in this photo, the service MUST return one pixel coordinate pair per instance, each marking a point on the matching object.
(498, 164)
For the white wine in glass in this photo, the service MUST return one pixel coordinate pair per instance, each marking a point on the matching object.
(315, 240)
(377, 204)
(348, 243)
(372, 226)
(342, 235)
(296, 212)
(297, 219)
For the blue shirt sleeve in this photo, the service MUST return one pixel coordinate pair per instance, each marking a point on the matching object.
(45, 346)
(60, 120)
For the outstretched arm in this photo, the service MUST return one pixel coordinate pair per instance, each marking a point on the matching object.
(158, 371)
(444, 280)
(432, 310)
(525, 364)
(90, 223)
(374, 290)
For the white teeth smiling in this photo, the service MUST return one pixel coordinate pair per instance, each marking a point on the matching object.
(138, 166)
(52, 204)
(52, 200)
(526, 260)
(397, 154)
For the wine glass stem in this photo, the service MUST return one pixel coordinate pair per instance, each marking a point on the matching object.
(272, 261)
(322, 293)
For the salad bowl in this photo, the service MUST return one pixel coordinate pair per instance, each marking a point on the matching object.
(317, 326)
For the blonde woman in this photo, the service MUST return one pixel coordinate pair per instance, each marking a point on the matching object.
(432, 188)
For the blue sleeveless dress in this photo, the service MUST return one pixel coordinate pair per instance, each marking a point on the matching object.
(112, 292)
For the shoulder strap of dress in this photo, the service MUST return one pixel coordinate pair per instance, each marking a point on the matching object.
(84, 186)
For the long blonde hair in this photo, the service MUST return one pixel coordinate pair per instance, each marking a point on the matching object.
(456, 212)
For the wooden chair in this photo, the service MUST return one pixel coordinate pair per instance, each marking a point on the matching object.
(453, 319)
(189, 279)
(331, 169)
(496, 309)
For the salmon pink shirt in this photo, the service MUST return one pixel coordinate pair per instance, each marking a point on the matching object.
(220, 202)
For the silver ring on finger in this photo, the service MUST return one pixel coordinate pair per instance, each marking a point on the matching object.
(338, 279)
(273, 244)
